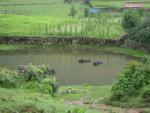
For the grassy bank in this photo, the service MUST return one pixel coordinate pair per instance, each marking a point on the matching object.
(92, 99)
(23, 101)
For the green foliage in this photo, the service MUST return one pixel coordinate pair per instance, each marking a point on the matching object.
(141, 33)
(36, 73)
(9, 79)
(129, 83)
(36, 78)
(145, 93)
(73, 11)
(141, 12)
(103, 26)
(131, 19)
(78, 110)
(86, 12)
(54, 88)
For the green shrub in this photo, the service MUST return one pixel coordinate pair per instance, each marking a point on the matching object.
(37, 78)
(78, 110)
(145, 93)
(141, 33)
(141, 12)
(131, 19)
(9, 79)
(36, 73)
(129, 83)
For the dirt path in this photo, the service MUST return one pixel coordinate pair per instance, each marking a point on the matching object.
(103, 107)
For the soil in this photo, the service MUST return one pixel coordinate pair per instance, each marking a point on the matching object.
(105, 108)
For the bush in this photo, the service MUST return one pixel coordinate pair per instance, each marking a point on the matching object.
(131, 19)
(145, 93)
(36, 73)
(141, 33)
(134, 77)
(9, 79)
(37, 78)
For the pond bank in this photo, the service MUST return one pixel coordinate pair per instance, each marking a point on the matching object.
(74, 41)
(58, 40)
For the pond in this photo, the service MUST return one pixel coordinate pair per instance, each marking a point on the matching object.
(65, 62)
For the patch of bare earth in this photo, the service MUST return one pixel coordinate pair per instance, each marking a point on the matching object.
(103, 107)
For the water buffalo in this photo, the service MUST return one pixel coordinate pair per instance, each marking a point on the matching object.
(84, 61)
(97, 63)
(21, 67)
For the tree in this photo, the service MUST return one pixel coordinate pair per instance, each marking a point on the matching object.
(141, 33)
(131, 19)
(86, 12)
(73, 11)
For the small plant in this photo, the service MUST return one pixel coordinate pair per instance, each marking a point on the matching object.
(141, 12)
(9, 79)
(73, 11)
(78, 110)
(54, 88)
(145, 93)
(86, 12)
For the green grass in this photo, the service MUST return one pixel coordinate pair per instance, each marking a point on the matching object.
(15, 99)
(26, 25)
(105, 26)
(89, 92)
(49, 8)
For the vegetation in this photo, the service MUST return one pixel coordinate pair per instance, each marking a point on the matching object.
(131, 81)
(142, 32)
(104, 26)
(26, 101)
(34, 89)
(131, 19)
(73, 11)
(34, 77)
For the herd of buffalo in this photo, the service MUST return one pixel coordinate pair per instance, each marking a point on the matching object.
(95, 63)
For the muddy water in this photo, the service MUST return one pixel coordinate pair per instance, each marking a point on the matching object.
(65, 62)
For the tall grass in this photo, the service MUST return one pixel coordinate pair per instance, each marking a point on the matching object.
(103, 26)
